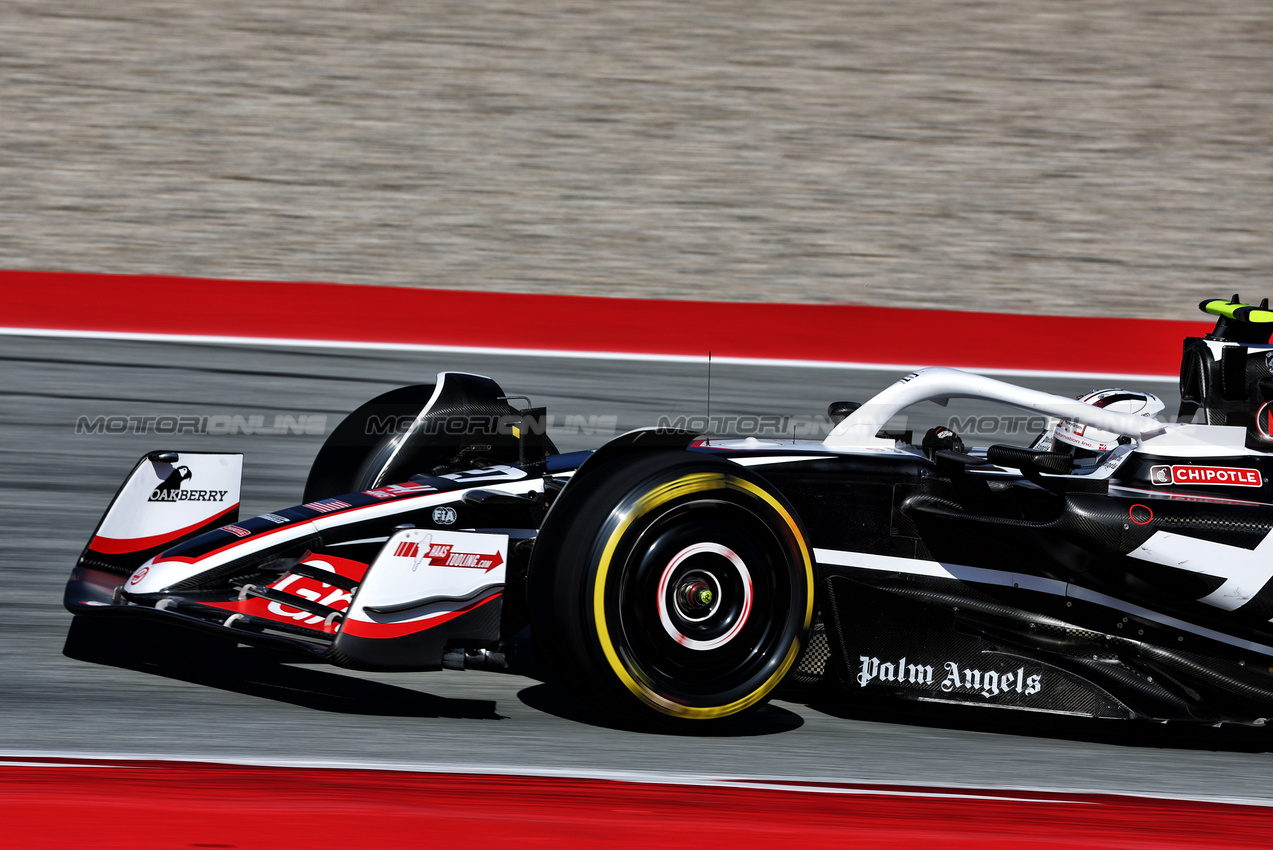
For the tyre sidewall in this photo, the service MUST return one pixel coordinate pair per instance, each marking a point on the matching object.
(609, 648)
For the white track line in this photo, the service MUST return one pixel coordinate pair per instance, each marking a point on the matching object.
(579, 355)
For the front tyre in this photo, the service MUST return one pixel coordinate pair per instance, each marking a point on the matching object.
(680, 588)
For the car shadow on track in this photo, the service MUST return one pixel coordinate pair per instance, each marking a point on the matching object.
(161, 650)
(1123, 733)
(554, 698)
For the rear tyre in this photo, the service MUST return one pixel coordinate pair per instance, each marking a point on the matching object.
(672, 589)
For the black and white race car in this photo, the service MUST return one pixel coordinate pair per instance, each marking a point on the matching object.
(1119, 568)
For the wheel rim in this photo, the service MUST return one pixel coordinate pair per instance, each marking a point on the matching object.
(701, 588)
(700, 608)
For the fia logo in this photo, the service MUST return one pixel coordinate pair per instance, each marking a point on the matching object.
(444, 515)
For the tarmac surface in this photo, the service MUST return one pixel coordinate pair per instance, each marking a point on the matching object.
(1037, 156)
(98, 688)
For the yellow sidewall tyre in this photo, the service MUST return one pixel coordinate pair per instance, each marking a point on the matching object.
(676, 589)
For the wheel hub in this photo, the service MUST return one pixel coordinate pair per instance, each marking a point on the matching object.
(704, 596)
(696, 595)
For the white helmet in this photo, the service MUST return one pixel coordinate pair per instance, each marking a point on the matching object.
(1084, 441)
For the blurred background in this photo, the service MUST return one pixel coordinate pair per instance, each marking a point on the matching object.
(1045, 156)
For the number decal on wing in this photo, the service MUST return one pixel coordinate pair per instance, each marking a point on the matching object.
(491, 473)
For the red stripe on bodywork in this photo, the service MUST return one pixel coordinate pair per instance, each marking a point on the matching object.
(255, 606)
(347, 567)
(124, 545)
(235, 540)
(292, 526)
(823, 332)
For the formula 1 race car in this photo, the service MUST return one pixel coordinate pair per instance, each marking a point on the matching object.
(1119, 567)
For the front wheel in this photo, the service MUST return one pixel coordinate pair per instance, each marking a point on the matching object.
(672, 587)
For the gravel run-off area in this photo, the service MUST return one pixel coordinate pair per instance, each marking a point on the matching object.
(1031, 156)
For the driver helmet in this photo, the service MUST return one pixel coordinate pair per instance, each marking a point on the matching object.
(1084, 441)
